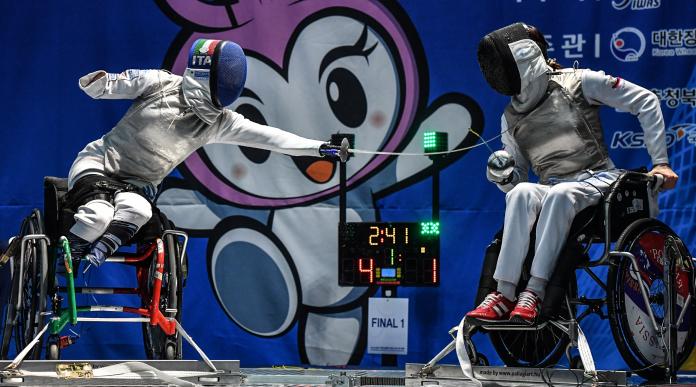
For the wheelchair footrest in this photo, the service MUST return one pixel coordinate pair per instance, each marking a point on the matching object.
(505, 325)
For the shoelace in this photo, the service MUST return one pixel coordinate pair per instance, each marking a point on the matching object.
(491, 298)
(527, 300)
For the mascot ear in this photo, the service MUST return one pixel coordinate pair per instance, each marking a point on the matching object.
(202, 15)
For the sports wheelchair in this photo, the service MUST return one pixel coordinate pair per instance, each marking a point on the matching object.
(648, 292)
(39, 255)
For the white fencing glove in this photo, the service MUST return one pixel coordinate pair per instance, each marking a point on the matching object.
(500, 169)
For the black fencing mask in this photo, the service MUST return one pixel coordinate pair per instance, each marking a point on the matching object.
(497, 61)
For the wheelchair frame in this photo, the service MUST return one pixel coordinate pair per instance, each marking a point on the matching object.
(152, 313)
(571, 327)
(150, 266)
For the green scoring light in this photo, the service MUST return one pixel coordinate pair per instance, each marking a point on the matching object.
(430, 228)
(434, 142)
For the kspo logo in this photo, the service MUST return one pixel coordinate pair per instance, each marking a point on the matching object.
(636, 140)
(627, 44)
(635, 4)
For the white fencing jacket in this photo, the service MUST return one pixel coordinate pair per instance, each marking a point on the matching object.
(170, 118)
(601, 89)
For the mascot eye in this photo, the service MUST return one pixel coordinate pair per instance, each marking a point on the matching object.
(346, 97)
(257, 156)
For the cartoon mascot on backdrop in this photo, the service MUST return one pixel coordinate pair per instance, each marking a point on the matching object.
(271, 221)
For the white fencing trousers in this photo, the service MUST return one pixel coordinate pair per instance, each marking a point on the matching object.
(93, 218)
(555, 206)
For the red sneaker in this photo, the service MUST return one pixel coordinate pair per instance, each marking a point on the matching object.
(527, 309)
(494, 307)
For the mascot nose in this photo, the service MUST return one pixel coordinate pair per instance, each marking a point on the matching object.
(320, 171)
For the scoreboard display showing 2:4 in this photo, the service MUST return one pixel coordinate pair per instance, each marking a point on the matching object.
(394, 254)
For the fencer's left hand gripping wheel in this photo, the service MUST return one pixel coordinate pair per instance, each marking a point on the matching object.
(339, 152)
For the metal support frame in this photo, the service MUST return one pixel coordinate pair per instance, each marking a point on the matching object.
(435, 188)
(450, 375)
(180, 234)
(20, 357)
(643, 290)
(25, 240)
(572, 327)
(151, 314)
(670, 323)
(123, 372)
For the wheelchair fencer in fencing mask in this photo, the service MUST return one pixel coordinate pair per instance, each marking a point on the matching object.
(527, 299)
(551, 126)
(647, 294)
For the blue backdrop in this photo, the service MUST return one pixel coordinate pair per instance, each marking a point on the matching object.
(262, 283)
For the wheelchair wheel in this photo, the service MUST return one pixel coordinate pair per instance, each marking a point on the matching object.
(25, 310)
(631, 325)
(158, 345)
(10, 311)
(536, 348)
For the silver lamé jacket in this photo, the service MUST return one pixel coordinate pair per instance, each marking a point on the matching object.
(170, 118)
(562, 136)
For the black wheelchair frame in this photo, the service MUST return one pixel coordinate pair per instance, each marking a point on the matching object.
(622, 218)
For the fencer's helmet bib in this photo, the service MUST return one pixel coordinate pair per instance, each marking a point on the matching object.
(221, 63)
(497, 61)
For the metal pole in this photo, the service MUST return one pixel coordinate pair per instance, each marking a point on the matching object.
(342, 193)
(336, 139)
(436, 188)
(670, 258)
(389, 360)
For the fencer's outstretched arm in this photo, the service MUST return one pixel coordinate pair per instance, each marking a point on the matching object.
(237, 130)
(521, 171)
(129, 84)
(625, 96)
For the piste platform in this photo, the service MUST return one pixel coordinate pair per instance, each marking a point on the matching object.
(122, 373)
(197, 373)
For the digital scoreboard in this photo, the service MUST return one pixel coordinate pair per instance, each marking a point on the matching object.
(396, 254)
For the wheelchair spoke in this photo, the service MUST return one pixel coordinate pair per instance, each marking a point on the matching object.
(516, 340)
(537, 347)
(638, 341)
(533, 348)
(526, 345)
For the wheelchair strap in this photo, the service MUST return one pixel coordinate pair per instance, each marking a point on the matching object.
(94, 187)
(586, 354)
(462, 354)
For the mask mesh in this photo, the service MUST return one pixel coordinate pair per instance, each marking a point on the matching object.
(228, 74)
(496, 61)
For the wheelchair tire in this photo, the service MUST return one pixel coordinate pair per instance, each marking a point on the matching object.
(10, 313)
(631, 327)
(540, 348)
(34, 289)
(157, 344)
(27, 320)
